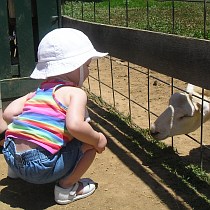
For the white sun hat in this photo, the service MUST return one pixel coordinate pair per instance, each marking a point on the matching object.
(61, 51)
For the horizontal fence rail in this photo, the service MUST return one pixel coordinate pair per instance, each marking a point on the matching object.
(174, 56)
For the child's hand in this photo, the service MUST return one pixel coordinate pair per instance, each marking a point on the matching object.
(101, 143)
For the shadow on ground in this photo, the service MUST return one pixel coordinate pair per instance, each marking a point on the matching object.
(164, 162)
(161, 161)
(196, 157)
(20, 194)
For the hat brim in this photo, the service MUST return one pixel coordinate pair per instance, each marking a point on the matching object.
(44, 70)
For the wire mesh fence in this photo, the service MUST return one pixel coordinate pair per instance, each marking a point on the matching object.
(188, 18)
(139, 93)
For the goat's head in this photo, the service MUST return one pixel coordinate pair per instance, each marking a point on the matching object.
(182, 116)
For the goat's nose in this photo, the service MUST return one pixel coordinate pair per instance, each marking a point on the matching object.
(153, 130)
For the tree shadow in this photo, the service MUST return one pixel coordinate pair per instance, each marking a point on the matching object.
(162, 162)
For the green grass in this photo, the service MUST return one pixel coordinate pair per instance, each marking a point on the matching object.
(158, 16)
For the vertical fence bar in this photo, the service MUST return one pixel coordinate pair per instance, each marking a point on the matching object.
(147, 14)
(148, 96)
(94, 10)
(129, 92)
(99, 80)
(72, 9)
(59, 13)
(82, 8)
(109, 12)
(201, 129)
(172, 92)
(112, 77)
(126, 10)
(173, 16)
(89, 84)
(204, 19)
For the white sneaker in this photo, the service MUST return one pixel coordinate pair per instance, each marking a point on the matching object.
(11, 174)
(65, 196)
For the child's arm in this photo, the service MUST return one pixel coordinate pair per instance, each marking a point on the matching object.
(79, 128)
(15, 108)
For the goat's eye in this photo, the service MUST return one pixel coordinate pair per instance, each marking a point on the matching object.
(183, 116)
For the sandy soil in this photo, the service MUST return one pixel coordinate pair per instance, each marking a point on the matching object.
(126, 180)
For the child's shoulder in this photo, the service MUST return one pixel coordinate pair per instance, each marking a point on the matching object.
(78, 90)
(72, 90)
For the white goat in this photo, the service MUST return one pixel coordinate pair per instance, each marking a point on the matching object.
(183, 115)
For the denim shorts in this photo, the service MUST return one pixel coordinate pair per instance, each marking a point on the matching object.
(39, 166)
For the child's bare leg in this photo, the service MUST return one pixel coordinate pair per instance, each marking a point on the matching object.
(81, 168)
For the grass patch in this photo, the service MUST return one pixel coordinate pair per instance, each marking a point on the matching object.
(181, 18)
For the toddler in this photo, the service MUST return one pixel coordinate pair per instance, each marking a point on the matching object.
(48, 138)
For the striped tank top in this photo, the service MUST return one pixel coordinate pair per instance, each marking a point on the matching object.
(43, 120)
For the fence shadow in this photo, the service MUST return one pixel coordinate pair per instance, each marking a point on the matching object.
(193, 193)
(20, 194)
(194, 157)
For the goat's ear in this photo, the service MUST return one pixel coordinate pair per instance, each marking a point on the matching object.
(189, 105)
(190, 96)
(198, 106)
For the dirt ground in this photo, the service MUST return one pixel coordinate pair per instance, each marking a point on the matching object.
(126, 180)
(120, 186)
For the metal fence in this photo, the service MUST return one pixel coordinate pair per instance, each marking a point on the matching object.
(141, 93)
(183, 17)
